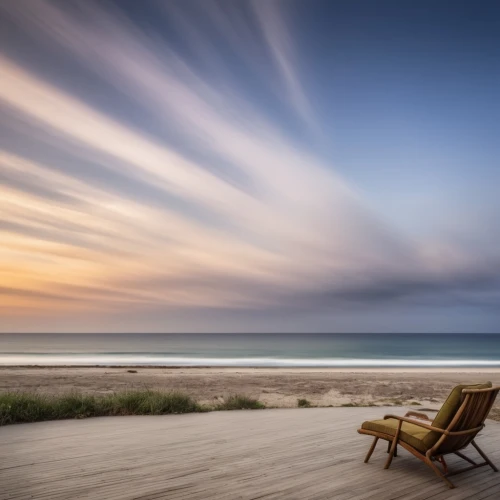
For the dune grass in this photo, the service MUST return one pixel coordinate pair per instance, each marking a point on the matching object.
(303, 403)
(23, 407)
(19, 407)
(240, 402)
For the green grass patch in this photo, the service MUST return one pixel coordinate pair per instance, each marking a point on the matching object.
(23, 407)
(303, 403)
(19, 407)
(240, 402)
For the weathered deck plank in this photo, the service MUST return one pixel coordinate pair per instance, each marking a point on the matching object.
(300, 453)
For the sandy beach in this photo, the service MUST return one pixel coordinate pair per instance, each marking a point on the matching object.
(276, 387)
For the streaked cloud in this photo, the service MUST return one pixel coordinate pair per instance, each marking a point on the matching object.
(280, 45)
(219, 207)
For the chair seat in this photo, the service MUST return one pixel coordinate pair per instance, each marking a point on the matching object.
(410, 433)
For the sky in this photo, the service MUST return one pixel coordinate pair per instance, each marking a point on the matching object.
(249, 166)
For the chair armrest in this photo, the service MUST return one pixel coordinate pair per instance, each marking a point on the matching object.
(416, 422)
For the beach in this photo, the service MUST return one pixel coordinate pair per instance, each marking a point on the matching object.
(275, 387)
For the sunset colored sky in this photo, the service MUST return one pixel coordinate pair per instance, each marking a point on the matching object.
(249, 166)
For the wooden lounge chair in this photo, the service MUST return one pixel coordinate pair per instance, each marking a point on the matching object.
(455, 426)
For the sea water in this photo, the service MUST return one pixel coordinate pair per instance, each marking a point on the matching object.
(267, 350)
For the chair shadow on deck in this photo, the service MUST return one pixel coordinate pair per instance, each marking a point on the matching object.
(454, 428)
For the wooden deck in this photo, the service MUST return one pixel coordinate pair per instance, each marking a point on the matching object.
(292, 454)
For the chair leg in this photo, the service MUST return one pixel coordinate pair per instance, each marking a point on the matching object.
(391, 452)
(439, 474)
(486, 459)
(463, 457)
(389, 443)
(443, 463)
(370, 451)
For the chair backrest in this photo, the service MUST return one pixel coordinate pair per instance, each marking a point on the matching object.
(449, 409)
(475, 406)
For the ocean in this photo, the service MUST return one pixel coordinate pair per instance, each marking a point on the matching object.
(266, 350)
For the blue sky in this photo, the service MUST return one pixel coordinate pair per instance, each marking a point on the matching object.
(249, 166)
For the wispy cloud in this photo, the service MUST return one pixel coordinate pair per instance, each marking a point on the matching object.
(219, 208)
(280, 45)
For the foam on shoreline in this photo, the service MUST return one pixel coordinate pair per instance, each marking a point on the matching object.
(249, 362)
